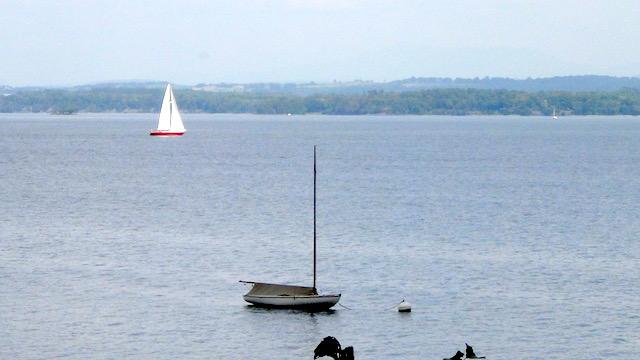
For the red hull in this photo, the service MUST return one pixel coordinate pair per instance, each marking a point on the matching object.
(166, 133)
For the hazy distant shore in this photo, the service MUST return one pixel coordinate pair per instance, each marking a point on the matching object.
(572, 95)
(293, 117)
(424, 102)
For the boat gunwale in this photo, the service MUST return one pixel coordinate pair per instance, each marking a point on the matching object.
(166, 133)
(316, 303)
(293, 296)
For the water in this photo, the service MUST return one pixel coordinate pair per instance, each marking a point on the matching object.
(516, 235)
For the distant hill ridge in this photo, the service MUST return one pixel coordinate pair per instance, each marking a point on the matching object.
(577, 83)
(558, 83)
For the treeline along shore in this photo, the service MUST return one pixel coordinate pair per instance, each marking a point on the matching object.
(422, 102)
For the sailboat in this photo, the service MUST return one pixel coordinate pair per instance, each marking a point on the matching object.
(555, 117)
(169, 121)
(290, 296)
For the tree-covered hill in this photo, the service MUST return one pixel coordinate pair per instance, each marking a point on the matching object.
(434, 101)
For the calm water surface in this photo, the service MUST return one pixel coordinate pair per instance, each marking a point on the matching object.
(519, 236)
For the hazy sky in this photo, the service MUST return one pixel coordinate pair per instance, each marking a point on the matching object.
(70, 42)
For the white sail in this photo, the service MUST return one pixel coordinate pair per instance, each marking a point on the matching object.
(170, 119)
(164, 121)
(176, 119)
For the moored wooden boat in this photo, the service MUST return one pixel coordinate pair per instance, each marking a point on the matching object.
(290, 296)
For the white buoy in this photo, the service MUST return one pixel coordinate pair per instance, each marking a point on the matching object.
(404, 306)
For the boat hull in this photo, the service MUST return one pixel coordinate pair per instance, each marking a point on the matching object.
(166, 133)
(307, 303)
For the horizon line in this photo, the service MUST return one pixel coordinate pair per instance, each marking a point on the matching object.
(301, 82)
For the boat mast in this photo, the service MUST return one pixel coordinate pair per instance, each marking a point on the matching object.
(314, 216)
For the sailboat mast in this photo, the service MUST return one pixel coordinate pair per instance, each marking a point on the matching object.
(314, 216)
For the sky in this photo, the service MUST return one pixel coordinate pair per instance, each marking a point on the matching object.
(73, 42)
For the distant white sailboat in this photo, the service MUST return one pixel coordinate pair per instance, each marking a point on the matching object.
(169, 121)
(289, 296)
(555, 117)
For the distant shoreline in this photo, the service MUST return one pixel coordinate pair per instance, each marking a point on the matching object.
(472, 102)
(309, 115)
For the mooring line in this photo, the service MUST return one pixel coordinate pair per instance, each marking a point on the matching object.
(390, 308)
(394, 306)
